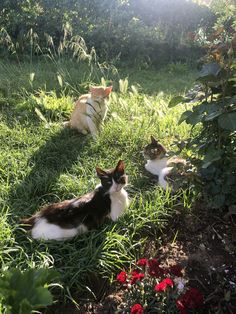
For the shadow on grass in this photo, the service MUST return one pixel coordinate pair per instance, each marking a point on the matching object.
(55, 157)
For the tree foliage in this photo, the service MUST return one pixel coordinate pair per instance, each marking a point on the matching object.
(135, 29)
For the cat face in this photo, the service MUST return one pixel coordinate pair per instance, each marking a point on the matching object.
(100, 93)
(113, 180)
(154, 150)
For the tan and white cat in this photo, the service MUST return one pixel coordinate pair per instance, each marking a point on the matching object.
(90, 110)
(159, 163)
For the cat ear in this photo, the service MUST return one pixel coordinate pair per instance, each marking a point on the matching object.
(163, 149)
(91, 89)
(120, 166)
(108, 90)
(101, 173)
(154, 141)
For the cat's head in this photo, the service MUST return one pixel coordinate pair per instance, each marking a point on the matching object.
(113, 180)
(154, 150)
(100, 93)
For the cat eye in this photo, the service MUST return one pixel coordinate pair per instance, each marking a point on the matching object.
(108, 181)
(117, 175)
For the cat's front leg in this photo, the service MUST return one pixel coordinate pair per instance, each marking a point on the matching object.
(84, 132)
(92, 127)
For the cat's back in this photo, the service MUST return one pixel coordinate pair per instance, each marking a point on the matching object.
(72, 212)
(68, 209)
(79, 114)
(81, 103)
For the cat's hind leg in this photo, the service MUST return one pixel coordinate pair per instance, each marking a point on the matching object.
(77, 128)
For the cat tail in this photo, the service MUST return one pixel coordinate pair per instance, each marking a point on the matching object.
(162, 181)
(28, 223)
(176, 160)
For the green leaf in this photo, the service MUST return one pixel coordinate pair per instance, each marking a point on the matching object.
(176, 100)
(40, 115)
(211, 116)
(42, 297)
(184, 116)
(211, 155)
(194, 118)
(227, 121)
(209, 72)
(25, 307)
(60, 81)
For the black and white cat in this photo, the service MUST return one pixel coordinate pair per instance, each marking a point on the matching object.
(64, 220)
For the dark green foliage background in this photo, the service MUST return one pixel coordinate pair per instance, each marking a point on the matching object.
(153, 31)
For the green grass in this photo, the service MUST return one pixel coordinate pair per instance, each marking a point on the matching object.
(40, 162)
(51, 74)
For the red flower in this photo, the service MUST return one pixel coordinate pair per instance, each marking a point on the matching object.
(154, 268)
(176, 270)
(163, 285)
(136, 276)
(142, 262)
(192, 299)
(137, 309)
(169, 282)
(121, 277)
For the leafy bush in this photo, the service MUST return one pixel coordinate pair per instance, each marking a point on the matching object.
(22, 292)
(214, 149)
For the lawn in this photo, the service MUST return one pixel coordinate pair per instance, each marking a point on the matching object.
(41, 162)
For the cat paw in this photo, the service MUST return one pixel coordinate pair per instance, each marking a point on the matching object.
(66, 124)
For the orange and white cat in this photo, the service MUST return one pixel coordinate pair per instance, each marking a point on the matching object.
(90, 110)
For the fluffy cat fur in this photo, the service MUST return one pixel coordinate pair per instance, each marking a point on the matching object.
(158, 163)
(64, 220)
(90, 110)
